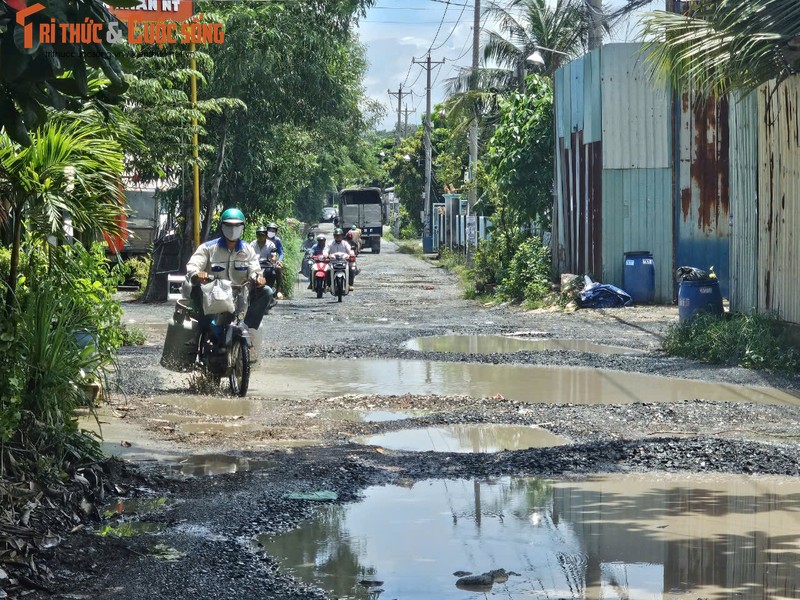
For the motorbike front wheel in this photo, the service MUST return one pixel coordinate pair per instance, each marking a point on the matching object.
(320, 288)
(239, 377)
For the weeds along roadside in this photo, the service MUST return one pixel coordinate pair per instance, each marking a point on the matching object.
(754, 340)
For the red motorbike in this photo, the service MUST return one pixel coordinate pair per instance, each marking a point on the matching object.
(319, 273)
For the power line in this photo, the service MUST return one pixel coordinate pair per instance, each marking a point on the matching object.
(444, 14)
(452, 31)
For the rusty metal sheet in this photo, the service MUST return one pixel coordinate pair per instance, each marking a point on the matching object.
(779, 199)
(743, 216)
(703, 208)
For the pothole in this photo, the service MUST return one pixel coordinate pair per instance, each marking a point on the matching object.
(218, 464)
(613, 537)
(465, 438)
(372, 416)
(491, 344)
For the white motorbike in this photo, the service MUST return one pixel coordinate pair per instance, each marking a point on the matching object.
(340, 265)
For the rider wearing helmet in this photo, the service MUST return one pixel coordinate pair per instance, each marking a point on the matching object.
(355, 235)
(316, 249)
(266, 250)
(228, 257)
(272, 236)
(338, 245)
(310, 240)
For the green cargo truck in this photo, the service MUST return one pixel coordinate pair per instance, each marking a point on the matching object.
(363, 207)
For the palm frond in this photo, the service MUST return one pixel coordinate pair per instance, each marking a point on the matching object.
(724, 45)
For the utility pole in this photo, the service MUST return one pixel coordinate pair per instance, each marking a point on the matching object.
(400, 94)
(426, 226)
(595, 8)
(406, 112)
(472, 196)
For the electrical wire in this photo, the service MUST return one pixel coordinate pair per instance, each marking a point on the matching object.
(441, 22)
(452, 31)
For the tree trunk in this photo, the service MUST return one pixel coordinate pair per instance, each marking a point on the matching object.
(213, 196)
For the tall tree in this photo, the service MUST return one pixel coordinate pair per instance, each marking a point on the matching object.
(53, 74)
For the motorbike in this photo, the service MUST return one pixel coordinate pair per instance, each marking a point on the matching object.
(269, 270)
(223, 349)
(340, 274)
(318, 267)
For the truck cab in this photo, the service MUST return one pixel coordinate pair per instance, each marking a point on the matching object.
(363, 207)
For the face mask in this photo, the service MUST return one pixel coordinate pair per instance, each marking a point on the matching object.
(270, 234)
(232, 232)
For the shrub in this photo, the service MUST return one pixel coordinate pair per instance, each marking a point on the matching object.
(139, 268)
(528, 274)
(133, 336)
(753, 341)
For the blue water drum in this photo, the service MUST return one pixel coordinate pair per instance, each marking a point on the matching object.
(639, 276)
(696, 296)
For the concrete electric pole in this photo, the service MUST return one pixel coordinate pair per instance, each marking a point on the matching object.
(472, 195)
(400, 94)
(428, 64)
(407, 112)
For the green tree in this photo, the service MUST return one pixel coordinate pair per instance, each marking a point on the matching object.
(722, 45)
(72, 167)
(520, 153)
(53, 75)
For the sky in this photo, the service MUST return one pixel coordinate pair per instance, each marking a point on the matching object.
(397, 31)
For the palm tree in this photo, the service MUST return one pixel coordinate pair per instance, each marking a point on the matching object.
(72, 166)
(722, 45)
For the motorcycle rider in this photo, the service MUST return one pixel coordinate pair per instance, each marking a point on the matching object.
(265, 249)
(316, 249)
(310, 241)
(355, 235)
(272, 235)
(228, 257)
(338, 245)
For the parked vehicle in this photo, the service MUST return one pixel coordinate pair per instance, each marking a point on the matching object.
(223, 350)
(363, 207)
(319, 271)
(141, 220)
(329, 214)
(340, 274)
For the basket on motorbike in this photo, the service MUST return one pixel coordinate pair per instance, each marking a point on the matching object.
(180, 346)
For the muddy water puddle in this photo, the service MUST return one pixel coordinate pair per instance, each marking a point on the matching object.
(489, 344)
(217, 464)
(608, 537)
(465, 438)
(372, 416)
(292, 379)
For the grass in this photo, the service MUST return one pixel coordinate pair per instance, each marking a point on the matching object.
(754, 341)
(409, 247)
(133, 336)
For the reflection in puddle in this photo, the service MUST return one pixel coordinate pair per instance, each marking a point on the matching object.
(465, 438)
(201, 427)
(373, 416)
(611, 537)
(488, 344)
(217, 464)
(289, 378)
(134, 506)
(130, 529)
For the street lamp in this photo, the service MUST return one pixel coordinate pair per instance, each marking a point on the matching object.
(537, 58)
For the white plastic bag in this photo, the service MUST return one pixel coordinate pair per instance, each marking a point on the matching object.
(218, 297)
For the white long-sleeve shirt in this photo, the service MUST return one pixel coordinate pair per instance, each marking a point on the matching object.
(264, 252)
(336, 247)
(213, 257)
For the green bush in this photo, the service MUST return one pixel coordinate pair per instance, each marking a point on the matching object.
(139, 268)
(753, 341)
(528, 274)
(409, 226)
(46, 370)
(133, 336)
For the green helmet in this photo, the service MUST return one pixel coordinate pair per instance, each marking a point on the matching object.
(338, 231)
(233, 216)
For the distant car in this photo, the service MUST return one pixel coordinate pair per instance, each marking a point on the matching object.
(329, 213)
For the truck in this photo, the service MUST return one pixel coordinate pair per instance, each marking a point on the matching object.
(363, 207)
(142, 221)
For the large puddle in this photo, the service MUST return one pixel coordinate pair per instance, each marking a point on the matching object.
(465, 438)
(610, 537)
(292, 378)
(490, 344)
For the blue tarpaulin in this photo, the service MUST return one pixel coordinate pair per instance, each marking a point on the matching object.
(603, 295)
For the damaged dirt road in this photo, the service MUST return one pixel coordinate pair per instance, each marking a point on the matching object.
(333, 375)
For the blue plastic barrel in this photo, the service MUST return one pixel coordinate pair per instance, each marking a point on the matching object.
(696, 296)
(639, 276)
